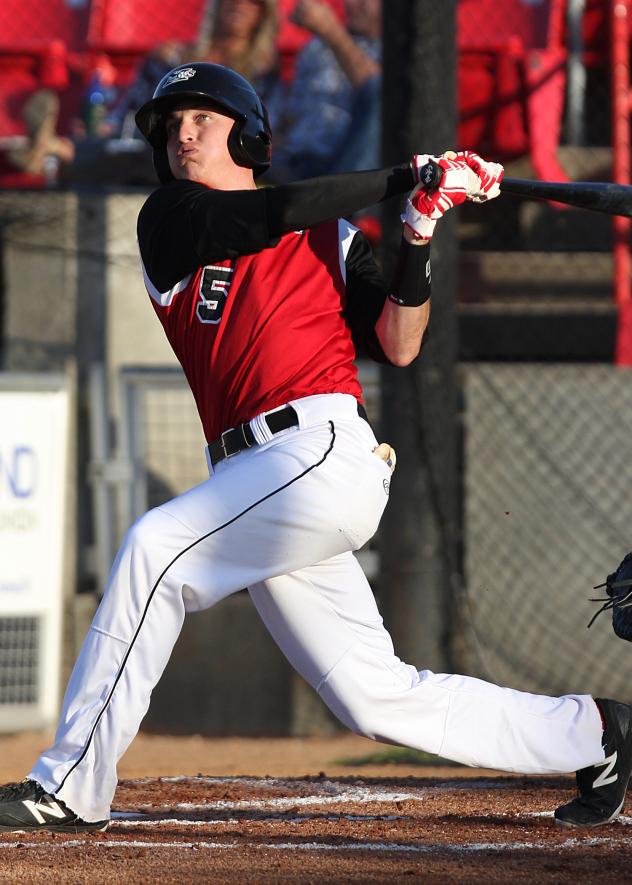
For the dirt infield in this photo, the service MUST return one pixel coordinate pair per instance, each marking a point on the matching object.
(448, 828)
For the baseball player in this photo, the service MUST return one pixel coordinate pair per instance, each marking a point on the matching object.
(265, 296)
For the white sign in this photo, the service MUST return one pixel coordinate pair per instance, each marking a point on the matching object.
(33, 482)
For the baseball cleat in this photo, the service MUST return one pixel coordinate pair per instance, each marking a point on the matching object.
(602, 786)
(27, 806)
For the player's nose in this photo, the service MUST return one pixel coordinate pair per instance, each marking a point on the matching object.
(186, 130)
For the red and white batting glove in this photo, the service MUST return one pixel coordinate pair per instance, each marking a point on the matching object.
(489, 175)
(425, 207)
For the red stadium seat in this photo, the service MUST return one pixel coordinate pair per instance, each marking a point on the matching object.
(511, 79)
(21, 74)
(37, 40)
(126, 30)
(32, 24)
(142, 24)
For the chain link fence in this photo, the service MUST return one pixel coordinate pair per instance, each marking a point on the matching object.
(545, 416)
(547, 453)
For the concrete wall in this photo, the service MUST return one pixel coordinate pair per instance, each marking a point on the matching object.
(39, 259)
(133, 333)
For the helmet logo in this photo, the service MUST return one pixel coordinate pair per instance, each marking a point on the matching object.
(177, 76)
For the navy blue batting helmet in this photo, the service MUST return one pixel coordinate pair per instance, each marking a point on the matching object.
(250, 139)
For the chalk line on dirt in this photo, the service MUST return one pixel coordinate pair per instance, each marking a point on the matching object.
(434, 848)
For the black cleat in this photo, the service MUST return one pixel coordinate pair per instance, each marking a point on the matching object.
(27, 806)
(602, 786)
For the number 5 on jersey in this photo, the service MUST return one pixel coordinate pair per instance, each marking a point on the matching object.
(214, 287)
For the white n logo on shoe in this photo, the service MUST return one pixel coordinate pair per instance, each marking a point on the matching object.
(603, 779)
(39, 809)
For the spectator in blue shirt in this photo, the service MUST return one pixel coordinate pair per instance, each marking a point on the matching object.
(330, 119)
(119, 123)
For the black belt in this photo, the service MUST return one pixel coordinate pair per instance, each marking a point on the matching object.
(241, 437)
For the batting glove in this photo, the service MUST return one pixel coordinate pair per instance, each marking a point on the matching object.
(425, 207)
(489, 177)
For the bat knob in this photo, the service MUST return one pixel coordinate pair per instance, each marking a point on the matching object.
(430, 175)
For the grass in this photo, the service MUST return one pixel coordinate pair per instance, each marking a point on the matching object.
(396, 756)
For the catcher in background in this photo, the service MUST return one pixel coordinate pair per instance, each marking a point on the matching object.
(619, 598)
(266, 296)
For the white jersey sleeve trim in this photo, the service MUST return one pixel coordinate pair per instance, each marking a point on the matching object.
(346, 233)
(164, 298)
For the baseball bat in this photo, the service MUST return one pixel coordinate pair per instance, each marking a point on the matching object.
(598, 196)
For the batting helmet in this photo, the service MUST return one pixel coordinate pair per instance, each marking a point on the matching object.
(250, 139)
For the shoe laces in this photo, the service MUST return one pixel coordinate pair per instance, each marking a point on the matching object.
(12, 792)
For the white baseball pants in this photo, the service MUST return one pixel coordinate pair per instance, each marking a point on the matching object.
(282, 518)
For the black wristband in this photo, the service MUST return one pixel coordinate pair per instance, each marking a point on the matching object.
(411, 284)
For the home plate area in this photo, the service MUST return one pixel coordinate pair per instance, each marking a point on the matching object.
(241, 829)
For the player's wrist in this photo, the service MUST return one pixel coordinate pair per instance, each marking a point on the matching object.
(413, 238)
(417, 225)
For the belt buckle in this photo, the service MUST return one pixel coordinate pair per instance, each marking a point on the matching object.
(222, 442)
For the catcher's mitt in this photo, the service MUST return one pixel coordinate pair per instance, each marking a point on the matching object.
(619, 589)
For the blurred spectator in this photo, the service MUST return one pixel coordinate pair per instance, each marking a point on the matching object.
(292, 37)
(49, 159)
(331, 118)
(106, 147)
(243, 37)
(99, 151)
(98, 97)
(119, 122)
(40, 114)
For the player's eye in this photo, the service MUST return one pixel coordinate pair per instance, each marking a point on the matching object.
(203, 117)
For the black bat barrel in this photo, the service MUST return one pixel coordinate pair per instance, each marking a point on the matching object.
(598, 196)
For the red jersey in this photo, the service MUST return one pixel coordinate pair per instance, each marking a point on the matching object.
(257, 311)
(257, 331)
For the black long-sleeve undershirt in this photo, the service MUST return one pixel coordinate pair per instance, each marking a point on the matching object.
(184, 224)
(305, 203)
